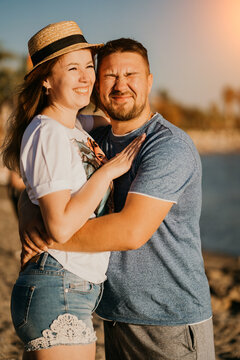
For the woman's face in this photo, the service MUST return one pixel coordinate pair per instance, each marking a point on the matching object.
(71, 80)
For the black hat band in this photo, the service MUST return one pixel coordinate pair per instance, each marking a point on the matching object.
(56, 46)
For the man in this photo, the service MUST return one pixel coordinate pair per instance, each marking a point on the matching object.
(156, 302)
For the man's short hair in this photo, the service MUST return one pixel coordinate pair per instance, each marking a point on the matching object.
(122, 45)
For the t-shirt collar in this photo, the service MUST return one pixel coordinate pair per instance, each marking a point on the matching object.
(132, 133)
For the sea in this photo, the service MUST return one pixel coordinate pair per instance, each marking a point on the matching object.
(220, 218)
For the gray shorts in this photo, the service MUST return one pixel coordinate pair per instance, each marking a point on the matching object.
(139, 342)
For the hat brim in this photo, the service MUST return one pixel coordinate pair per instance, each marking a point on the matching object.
(75, 47)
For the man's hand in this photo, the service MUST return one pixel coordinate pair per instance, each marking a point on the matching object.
(32, 232)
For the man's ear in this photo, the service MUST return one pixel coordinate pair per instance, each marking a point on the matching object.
(150, 82)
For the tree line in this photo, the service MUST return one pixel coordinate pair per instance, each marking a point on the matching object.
(192, 117)
(186, 117)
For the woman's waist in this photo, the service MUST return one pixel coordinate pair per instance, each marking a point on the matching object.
(55, 265)
(89, 266)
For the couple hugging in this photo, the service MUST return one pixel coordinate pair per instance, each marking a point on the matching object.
(109, 220)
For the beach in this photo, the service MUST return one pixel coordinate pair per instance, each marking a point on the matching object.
(223, 273)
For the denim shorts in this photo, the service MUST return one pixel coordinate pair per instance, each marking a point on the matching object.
(52, 306)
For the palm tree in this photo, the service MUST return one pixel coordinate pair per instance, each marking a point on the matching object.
(237, 96)
(6, 74)
(10, 77)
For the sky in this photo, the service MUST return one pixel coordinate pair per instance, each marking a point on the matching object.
(193, 45)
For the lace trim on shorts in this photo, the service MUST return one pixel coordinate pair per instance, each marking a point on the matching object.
(67, 329)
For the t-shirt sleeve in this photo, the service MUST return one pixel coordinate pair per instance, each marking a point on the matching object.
(166, 168)
(48, 161)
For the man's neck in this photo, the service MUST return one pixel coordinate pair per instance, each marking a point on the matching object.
(124, 127)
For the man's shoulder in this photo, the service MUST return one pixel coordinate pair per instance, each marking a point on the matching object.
(161, 132)
(163, 128)
(167, 142)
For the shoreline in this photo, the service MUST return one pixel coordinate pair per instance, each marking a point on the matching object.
(213, 142)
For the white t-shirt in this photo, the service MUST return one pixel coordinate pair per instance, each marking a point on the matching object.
(54, 157)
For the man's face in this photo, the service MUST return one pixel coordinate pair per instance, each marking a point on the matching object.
(124, 84)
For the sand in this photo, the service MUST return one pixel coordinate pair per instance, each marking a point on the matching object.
(224, 279)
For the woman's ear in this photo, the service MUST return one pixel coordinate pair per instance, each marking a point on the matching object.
(46, 84)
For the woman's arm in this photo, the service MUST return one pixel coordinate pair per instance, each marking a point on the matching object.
(128, 229)
(63, 215)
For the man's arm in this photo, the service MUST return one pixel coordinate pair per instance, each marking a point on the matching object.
(127, 230)
(32, 231)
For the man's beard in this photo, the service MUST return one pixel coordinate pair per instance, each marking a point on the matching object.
(122, 114)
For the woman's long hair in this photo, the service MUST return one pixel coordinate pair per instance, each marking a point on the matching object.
(32, 99)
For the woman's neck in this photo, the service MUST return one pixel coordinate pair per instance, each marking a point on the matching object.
(64, 116)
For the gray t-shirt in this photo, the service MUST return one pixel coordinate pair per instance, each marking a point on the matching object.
(163, 282)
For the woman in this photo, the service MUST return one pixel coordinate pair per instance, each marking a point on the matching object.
(57, 291)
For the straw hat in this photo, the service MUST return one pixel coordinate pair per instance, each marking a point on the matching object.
(55, 40)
